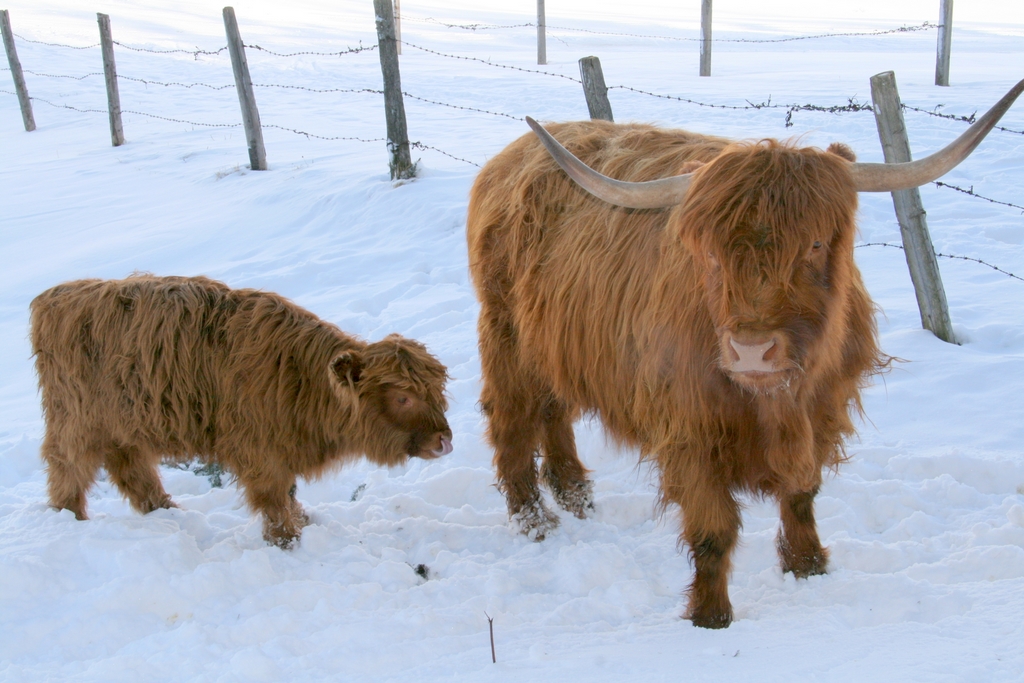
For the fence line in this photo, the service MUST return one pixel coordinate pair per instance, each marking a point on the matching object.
(852, 104)
(973, 194)
(949, 256)
(490, 63)
(956, 117)
(925, 26)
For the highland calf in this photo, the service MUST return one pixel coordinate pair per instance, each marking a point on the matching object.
(705, 306)
(146, 369)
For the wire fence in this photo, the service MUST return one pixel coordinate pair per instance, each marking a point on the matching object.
(949, 256)
(925, 26)
(850, 106)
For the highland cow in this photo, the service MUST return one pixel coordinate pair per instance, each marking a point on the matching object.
(148, 369)
(705, 306)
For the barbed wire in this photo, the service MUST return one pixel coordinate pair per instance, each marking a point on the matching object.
(949, 256)
(973, 194)
(901, 29)
(165, 84)
(966, 119)
(43, 42)
(61, 106)
(73, 78)
(852, 105)
(490, 63)
(195, 53)
(750, 105)
(485, 27)
(347, 51)
(468, 27)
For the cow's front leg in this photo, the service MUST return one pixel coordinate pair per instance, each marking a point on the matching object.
(799, 546)
(711, 525)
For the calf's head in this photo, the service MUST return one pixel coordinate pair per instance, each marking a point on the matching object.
(401, 401)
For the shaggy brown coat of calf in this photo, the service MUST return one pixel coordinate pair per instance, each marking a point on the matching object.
(137, 371)
(646, 318)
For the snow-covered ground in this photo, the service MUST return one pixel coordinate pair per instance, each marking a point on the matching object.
(925, 523)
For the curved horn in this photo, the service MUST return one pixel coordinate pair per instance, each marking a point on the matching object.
(653, 194)
(903, 176)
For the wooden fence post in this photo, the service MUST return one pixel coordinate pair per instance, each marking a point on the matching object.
(917, 243)
(945, 42)
(542, 41)
(246, 97)
(398, 25)
(19, 79)
(110, 75)
(595, 89)
(705, 38)
(394, 107)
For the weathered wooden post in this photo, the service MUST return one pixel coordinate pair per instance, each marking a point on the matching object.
(398, 25)
(246, 97)
(595, 89)
(705, 38)
(110, 75)
(19, 79)
(394, 107)
(917, 243)
(945, 42)
(542, 41)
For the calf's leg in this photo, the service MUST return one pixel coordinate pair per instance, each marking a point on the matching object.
(68, 476)
(135, 475)
(799, 546)
(269, 493)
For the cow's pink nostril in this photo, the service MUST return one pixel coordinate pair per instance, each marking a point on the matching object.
(753, 357)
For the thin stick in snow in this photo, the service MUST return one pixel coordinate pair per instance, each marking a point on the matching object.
(490, 625)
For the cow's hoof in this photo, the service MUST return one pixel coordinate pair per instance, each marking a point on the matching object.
(810, 561)
(712, 620)
(535, 521)
(577, 498)
(710, 617)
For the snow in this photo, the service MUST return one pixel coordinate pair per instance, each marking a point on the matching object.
(925, 523)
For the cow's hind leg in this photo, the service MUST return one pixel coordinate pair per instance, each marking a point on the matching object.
(513, 400)
(514, 430)
(136, 476)
(799, 546)
(562, 470)
(68, 477)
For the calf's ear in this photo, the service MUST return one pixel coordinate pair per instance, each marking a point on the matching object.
(347, 368)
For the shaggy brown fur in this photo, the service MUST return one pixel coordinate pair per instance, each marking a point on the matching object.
(146, 369)
(588, 307)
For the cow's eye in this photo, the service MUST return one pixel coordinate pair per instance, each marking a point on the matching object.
(816, 246)
(403, 400)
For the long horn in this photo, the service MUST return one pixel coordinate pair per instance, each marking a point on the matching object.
(653, 194)
(903, 176)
